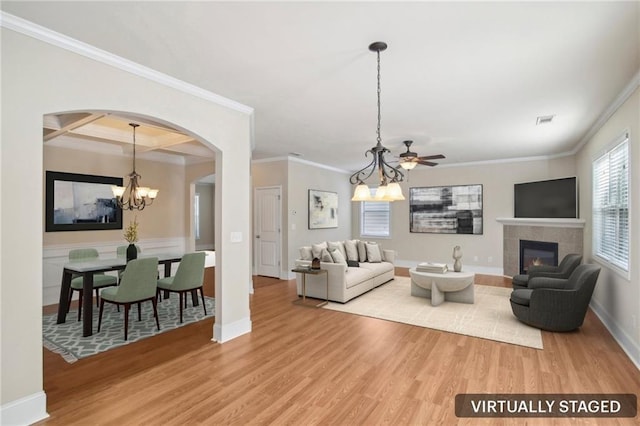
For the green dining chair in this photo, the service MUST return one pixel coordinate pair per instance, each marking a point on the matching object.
(137, 285)
(100, 280)
(189, 277)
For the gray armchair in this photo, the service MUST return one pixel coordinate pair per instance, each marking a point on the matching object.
(563, 270)
(556, 304)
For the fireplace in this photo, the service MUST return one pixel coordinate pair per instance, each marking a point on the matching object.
(537, 253)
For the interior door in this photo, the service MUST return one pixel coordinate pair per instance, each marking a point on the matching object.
(267, 220)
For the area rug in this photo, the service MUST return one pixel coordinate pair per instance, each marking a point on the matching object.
(66, 339)
(490, 317)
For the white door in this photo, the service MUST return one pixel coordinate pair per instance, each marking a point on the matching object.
(267, 220)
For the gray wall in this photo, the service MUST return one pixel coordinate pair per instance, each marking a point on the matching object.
(484, 252)
(616, 298)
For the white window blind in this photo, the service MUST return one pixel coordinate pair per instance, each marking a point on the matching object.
(611, 206)
(375, 218)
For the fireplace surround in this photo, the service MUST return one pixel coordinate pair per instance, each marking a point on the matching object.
(567, 233)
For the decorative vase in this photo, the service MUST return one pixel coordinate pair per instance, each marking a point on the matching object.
(457, 254)
(132, 252)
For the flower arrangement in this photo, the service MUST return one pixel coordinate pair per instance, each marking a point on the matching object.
(131, 232)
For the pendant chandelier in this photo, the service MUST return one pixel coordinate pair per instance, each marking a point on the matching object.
(389, 177)
(134, 196)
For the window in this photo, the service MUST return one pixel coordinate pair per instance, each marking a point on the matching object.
(196, 215)
(375, 218)
(611, 206)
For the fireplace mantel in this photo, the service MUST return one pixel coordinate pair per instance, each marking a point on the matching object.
(556, 223)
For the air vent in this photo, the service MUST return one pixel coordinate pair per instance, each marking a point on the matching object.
(544, 119)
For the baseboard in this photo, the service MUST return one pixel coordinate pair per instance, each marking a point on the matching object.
(24, 411)
(226, 332)
(626, 343)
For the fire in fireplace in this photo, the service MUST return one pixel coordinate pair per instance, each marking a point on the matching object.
(537, 253)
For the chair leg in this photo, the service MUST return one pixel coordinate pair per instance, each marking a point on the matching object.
(202, 297)
(70, 297)
(139, 312)
(155, 312)
(80, 305)
(100, 314)
(97, 297)
(126, 319)
(181, 296)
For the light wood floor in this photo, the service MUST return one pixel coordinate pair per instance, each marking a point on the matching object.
(307, 366)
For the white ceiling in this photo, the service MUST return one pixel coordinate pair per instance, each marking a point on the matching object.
(466, 80)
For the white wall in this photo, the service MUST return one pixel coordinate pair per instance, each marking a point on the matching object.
(497, 181)
(39, 78)
(616, 299)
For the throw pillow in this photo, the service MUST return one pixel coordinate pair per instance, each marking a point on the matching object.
(316, 249)
(351, 248)
(338, 245)
(373, 253)
(362, 251)
(325, 256)
(353, 263)
(305, 253)
(338, 257)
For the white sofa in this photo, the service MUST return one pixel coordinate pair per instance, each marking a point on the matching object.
(347, 282)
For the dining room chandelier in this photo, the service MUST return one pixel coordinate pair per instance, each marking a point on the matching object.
(388, 176)
(134, 196)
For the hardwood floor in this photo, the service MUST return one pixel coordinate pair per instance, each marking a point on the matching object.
(309, 366)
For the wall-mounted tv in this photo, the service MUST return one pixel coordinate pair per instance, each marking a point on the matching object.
(554, 198)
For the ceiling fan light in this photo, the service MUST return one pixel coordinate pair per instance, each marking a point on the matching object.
(408, 165)
(381, 193)
(153, 193)
(361, 193)
(117, 190)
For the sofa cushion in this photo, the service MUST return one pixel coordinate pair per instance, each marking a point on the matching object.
(373, 253)
(338, 257)
(325, 256)
(337, 245)
(362, 251)
(316, 249)
(521, 296)
(351, 247)
(355, 276)
(377, 268)
(305, 253)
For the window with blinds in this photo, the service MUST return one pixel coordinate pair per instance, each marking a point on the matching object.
(611, 206)
(375, 218)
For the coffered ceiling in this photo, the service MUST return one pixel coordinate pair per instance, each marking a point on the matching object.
(467, 80)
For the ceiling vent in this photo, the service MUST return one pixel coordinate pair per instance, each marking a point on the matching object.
(544, 119)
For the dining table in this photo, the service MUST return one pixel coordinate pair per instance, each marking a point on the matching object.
(87, 269)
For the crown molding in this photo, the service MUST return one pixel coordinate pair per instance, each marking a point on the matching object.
(299, 160)
(47, 35)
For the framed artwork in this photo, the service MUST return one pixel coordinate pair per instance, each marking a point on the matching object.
(446, 209)
(323, 209)
(76, 202)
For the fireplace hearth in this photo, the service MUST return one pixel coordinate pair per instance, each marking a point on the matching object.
(537, 253)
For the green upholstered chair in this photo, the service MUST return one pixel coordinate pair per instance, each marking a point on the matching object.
(138, 284)
(189, 277)
(100, 280)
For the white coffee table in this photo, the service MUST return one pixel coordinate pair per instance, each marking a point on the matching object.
(450, 286)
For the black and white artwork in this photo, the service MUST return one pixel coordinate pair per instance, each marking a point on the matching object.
(446, 209)
(77, 202)
(323, 209)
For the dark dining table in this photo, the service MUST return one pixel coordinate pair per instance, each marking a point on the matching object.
(87, 269)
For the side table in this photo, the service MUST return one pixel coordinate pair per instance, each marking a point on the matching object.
(308, 271)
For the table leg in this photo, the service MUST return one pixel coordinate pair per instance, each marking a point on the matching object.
(437, 296)
(63, 303)
(87, 304)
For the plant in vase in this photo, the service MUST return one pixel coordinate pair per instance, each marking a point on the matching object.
(131, 235)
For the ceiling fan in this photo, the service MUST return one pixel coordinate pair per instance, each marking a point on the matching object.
(410, 159)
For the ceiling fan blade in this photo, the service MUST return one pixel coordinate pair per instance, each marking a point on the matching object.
(432, 157)
(426, 163)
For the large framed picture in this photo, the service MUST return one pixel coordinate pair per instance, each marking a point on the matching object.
(323, 209)
(76, 202)
(446, 209)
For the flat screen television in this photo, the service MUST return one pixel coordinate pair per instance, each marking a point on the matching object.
(554, 198)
